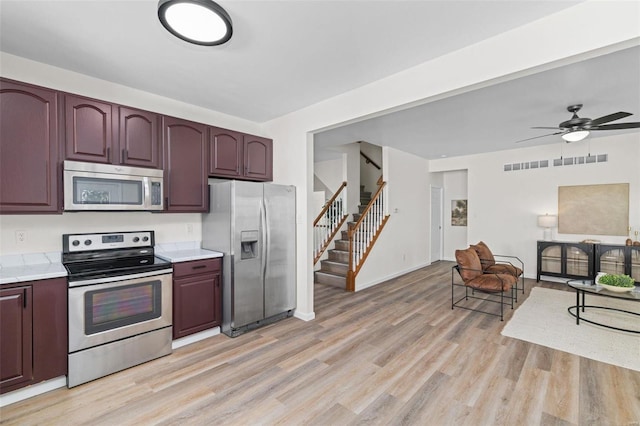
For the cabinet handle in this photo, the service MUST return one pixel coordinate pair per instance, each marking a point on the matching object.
(108, 154)
(24, 296)
(199, 267)
(166, 203)
(124, 156)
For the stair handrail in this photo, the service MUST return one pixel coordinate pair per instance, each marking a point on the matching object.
(368, 160)
(364, 234)
(324, 232)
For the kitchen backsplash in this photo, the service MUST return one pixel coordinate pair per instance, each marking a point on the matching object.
(43, 233)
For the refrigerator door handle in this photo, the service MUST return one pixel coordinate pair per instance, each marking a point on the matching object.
(265, 238)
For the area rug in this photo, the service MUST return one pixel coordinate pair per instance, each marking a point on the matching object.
(543, 319)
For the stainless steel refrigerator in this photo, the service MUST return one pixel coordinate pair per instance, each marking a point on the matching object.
(254, 225)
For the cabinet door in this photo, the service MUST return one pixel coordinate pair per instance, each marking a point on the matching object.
(28, 149)
(49, 328)
(225, 153)
(611, 259)
(185, 165)
(16, 349)
(138, 137)
(634, 263)
(88, 130)
(195, 304)
(258, 158)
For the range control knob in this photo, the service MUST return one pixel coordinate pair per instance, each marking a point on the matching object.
(145, 239)
(75, 243)
(136, 239)
(87, 242)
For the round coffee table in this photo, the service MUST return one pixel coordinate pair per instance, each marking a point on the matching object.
(588, 286)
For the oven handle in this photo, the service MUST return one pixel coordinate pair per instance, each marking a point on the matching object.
(120, 278)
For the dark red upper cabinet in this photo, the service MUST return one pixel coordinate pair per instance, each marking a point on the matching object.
(89, 130)
(225, 153)
(139, 141)
(258, 158)
(29, 157)
(240, 156)
(185, 165)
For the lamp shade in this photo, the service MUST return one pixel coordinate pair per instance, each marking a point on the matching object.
(548, 221)
(575, 136)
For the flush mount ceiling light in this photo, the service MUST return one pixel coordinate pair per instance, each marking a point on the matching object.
(201, 22)
(575, 136)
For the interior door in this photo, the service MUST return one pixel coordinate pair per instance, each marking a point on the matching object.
(280, 250)
(436, 223)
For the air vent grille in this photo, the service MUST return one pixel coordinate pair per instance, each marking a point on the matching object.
(557, 162)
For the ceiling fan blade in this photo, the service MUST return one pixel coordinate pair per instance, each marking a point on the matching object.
(610, 117)
(550, 128)
(542, 136)
(617, 126)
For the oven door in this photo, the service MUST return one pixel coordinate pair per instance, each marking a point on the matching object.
(117, 308)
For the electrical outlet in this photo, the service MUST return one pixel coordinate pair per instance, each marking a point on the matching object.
(189, 228)
(21, 237)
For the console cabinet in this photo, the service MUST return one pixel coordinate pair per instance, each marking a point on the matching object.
(618, 259)
(33, 332)
(29, 151)
(197, 303)
(569, 260)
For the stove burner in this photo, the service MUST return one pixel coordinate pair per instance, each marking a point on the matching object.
(110, 255)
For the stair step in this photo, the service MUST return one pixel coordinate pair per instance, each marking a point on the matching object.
(342, 245)
(345, 235)
(339, 256)
(356, 216)
(330, 279)
(361, 208)
(365, 194)
(338, 268)
(365, 201)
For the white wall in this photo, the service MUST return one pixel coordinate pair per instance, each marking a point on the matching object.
(44, 232)
(330, 173)
(351, 171)
(503, 206)
(369, 174)
(455, 188)
(404, 243)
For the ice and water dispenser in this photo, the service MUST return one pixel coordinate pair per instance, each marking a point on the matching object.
(249, 244)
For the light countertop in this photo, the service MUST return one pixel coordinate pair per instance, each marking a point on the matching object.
(17, 268)
(184, 252)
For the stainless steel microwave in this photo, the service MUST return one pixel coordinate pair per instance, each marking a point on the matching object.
(92, 186)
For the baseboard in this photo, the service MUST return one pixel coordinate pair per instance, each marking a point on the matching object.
(33, 390)
(390, 277)
(183, 341)
(304, 316)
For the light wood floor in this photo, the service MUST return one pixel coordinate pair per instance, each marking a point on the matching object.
(392, 354)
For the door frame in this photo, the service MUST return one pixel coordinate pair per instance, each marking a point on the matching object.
(436, 213)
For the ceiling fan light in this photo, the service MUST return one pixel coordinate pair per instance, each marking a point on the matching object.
(201, 22)
(575, 136)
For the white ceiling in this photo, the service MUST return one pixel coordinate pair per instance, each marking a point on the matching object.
(495, 117)
(288, 54)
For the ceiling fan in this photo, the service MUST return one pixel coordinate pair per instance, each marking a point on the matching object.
(578, 128)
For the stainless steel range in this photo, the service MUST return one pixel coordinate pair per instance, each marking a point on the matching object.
(119, 303)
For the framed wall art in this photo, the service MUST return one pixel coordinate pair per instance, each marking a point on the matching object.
(458, 212)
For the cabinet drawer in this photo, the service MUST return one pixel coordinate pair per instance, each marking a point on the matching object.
(195, 267)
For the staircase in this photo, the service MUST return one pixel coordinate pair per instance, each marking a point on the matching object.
(334, 270)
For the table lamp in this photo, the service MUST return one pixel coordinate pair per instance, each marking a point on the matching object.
(547, 222)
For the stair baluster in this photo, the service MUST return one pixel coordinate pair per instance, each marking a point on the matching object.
(364, 233)
(328, 222)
